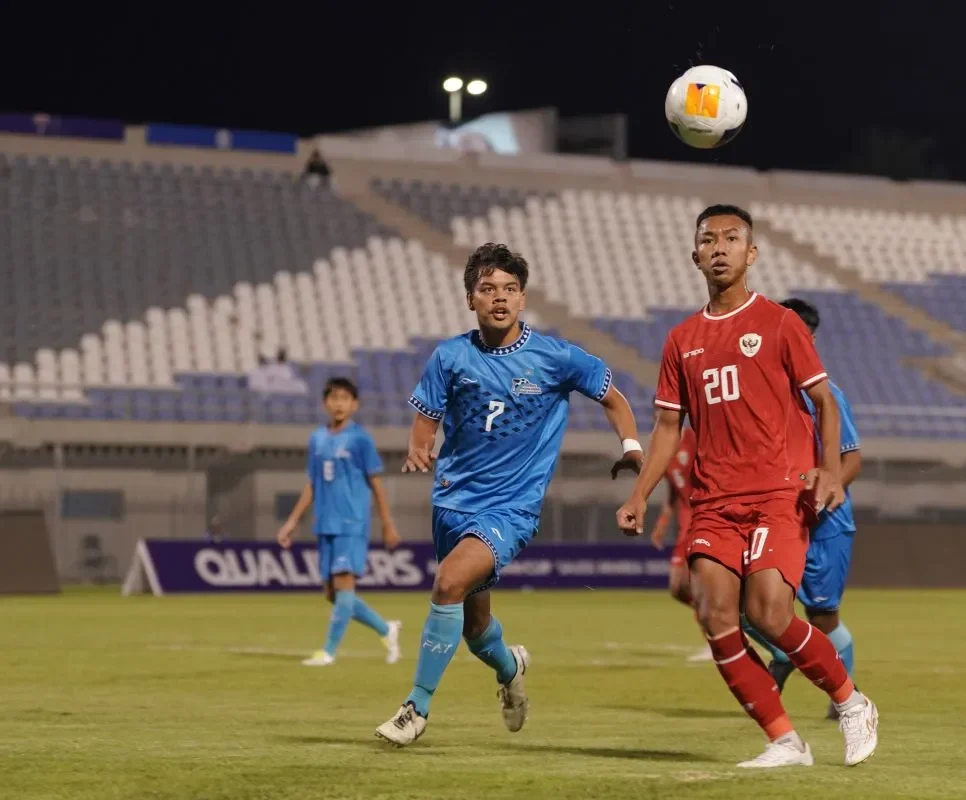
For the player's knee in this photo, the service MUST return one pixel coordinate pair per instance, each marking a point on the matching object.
(769, 616)
(825, 621)
(716, 618)
(449, 587)
(680, 587)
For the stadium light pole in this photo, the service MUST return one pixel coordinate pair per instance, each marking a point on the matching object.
(453, 86)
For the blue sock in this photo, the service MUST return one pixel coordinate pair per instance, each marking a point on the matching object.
(751, 632)
(841, 637)
(338, 620)
(362, 613)
(490, 648)
(441, 636)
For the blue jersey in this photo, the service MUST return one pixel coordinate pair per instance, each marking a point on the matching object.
(504, 412)
(832, 523)
(340, 465)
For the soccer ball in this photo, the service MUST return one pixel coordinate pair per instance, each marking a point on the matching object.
(706, 107)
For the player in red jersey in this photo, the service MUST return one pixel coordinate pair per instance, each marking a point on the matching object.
(678, 476)
(736, 369)
(678, 505)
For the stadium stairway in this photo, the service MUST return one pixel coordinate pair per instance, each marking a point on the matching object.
(948, 370)
(355, 186)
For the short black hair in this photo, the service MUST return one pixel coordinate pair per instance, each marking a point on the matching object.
(808, 313)
(340, 383)
(725, 210)
(490, 257)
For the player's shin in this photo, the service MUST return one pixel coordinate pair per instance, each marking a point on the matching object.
(441, 636)
(749, 681)
(366, 616)
(490, 648)
(339, 619)
(841, 638)
(752, 633)
(816, 658)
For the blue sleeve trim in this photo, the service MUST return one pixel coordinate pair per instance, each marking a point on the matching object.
(851, 447)
(608, 379)
(424, 409)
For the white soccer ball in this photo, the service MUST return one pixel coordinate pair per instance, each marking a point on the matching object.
(706, 107)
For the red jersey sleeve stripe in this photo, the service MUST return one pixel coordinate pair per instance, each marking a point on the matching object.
(813, 380)
(666, 404)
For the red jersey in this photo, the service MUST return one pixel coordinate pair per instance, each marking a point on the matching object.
(738, 376)
(679, 472)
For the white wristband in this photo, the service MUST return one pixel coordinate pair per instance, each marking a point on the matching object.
(631, 444)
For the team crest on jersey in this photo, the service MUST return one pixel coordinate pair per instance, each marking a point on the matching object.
(523, 386)
(750, 344)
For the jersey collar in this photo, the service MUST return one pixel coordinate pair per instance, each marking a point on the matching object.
(503, 351)
(738, 310)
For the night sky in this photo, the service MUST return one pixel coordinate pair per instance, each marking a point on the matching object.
(819, 76)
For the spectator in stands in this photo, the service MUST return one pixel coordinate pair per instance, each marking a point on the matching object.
(214, 533)
(317, 171)
(277, 377)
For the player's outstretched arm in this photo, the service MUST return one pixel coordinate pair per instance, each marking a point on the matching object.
(422, 439)
(287, 531)
(390, 536)
(664, 443)
(827, 480)
(620, 415)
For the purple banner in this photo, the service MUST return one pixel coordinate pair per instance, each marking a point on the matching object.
(167, 566)
(51, 125)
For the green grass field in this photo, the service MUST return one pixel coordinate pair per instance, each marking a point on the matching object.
(204, 697)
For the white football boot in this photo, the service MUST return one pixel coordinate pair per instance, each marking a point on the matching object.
(319, 659)
(781, 753)
(404, 728)
(391, 641)
(513, 695)
(860, 727)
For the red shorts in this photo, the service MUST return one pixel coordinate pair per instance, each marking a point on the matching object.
(680, 555)
(771, 534)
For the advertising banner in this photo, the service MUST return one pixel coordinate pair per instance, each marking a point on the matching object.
(169, 566)
(221, 138)
(51, 125)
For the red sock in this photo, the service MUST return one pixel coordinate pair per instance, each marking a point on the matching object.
(750, 682)
(814, 655)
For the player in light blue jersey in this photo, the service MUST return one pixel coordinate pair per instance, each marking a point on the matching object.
(343, 477)
(502, 393)
(830, 548)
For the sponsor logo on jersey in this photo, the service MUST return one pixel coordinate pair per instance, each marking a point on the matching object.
(697, 352)
(750, 344)
(683, 457)
(342, 453)
(523, 386)
(467, 381)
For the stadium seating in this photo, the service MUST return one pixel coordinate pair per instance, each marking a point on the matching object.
(650, 285)
(165, 285)
(149, 292)
(918, 256)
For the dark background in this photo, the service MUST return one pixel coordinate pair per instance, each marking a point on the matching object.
(847, 86)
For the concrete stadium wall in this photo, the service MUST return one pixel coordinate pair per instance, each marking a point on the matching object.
(156, 504)
(894, 555)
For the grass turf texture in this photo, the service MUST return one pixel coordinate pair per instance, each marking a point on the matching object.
(204, 697)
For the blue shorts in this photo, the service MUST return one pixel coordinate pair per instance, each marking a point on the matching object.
(342, 554)
(505, 532)
(826, 571)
